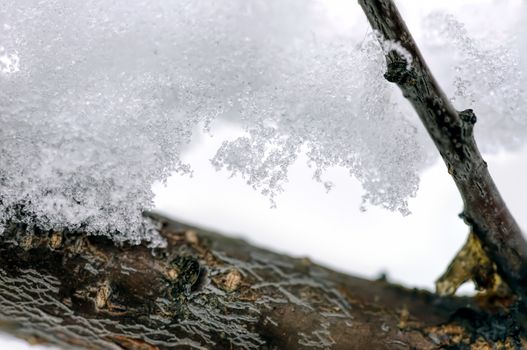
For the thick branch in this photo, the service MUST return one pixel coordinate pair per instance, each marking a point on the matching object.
(206, 291)
(484, 209)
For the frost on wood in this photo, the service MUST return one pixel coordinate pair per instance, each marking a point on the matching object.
(98, 100)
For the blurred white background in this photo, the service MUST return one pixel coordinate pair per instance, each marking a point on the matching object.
(329, 228)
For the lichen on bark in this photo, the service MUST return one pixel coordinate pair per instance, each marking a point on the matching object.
(207, 291)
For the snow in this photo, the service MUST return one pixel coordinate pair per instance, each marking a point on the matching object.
(99, 100)
(103, 97)
(9, 62)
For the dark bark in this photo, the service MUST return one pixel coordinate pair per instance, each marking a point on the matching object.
(484, 209)
(208, 291)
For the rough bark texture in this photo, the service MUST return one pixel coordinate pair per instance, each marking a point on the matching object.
(206, 291)
(484, 209)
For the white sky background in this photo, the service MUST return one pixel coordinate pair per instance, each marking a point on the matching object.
(329, 227)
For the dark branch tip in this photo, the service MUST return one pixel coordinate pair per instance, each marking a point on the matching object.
(468, 119)
(468, 116)
(397, 72)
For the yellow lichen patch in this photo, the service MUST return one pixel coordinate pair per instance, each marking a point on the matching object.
(103, 294)
(403, 318)
(452, 335)
(191, 237)
(470, 263)
(448, 334)
(507, 344)
(56, 240)
(230, 281)
(172, 274)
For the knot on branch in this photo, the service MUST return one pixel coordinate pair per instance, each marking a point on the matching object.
(398, 72)
(187, 275)
(468, 119)
(468, 116)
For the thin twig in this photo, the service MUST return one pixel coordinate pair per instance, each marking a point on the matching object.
(484, 209)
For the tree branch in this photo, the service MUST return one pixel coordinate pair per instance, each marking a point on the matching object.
(484, 209)
(206, 291)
